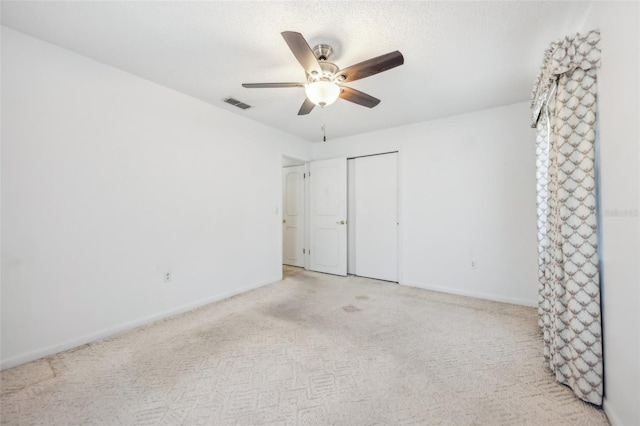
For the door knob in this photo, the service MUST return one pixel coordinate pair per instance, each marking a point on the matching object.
(341, 222)
(284, 220)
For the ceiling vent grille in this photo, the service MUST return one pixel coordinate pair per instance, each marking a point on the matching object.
(237, 103)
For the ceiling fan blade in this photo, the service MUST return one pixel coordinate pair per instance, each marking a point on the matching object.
(302, 52)
(270, 85)
(358, 97)
(306, 107)
(372, 66)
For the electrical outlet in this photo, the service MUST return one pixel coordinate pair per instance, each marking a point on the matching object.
(474, 264)
(167, 277)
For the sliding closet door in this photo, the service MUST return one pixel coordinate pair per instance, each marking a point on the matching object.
(376, 213)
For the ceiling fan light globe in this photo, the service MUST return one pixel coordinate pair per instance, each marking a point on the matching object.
(322, 93)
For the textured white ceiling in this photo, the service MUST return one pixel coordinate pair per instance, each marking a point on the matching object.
(459, 56)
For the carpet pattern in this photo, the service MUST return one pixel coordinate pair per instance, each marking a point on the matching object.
(311, 349)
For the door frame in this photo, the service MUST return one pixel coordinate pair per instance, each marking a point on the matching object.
(301, 217)
(301, 161)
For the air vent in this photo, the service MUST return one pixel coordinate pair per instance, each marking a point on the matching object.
(237, 103)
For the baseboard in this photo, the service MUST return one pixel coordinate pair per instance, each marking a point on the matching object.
(613, 417)
(477, 295)
(122, 328)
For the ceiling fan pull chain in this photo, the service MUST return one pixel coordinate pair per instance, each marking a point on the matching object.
(324, 126)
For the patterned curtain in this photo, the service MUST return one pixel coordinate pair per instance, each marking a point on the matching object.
(564, 115)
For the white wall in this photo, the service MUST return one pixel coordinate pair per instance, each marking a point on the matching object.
(468, 192)
(619, 112)
(109, 180)
(482, 163)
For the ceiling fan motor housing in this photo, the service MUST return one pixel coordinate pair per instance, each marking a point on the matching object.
(323, 52)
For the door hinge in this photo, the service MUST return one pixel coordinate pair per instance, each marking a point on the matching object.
(303, 251)
(304, 176)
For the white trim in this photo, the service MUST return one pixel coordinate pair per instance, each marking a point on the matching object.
(295, 157)
(307, 214)
(400, 212)
(477, 295)
(122, 328)
(614, 419)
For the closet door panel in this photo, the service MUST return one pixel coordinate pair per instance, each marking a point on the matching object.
(376, 212)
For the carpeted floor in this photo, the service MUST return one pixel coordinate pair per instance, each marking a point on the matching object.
(312, 349)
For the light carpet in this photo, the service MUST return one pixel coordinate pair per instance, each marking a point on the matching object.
(311, 349)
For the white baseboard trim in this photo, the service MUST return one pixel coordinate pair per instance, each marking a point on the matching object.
(122, 328)
(477, 295)
(614, 419)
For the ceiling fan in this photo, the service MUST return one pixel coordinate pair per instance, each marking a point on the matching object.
(325, 79)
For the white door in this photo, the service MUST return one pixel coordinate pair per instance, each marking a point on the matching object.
(293, 216)
(376, 217)
(328, 217)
